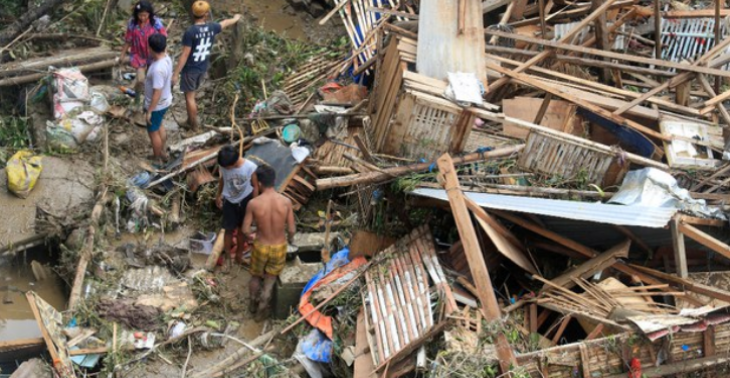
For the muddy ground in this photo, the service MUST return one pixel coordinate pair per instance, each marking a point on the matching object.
(129, 147)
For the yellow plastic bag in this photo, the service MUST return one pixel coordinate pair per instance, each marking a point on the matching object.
(23, 171)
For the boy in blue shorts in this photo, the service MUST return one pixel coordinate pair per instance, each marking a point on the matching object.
(158, 94)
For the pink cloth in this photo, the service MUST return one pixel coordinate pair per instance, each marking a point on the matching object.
(136, 37)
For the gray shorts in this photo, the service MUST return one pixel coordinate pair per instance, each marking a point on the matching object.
(191, 81)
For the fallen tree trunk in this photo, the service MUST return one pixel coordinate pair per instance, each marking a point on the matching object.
(389, 173)
(22, 23)
(18, 80)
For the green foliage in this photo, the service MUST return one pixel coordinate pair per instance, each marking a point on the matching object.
(14, 136)
(11, 8)
(270, 58)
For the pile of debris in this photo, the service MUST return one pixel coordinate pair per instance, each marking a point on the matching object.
(534, 188)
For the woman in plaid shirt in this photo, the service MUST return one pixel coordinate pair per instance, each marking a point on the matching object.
(141, 26)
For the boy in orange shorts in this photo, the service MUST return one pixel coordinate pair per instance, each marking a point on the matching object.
(274, 216)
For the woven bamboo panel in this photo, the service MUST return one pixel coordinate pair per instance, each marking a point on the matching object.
(331, 153)
(608, 356)
(547, 155)
(424, 127)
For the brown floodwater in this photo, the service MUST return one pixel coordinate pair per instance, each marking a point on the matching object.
(16, 318)
(273, 15)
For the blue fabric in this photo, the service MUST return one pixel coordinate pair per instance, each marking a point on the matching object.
(156, 120)
(337, 260)
(317, 347)
(633, 140)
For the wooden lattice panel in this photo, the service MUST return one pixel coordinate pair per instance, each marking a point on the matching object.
(547, 155)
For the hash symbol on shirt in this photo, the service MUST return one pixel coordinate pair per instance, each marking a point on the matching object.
(202, 50)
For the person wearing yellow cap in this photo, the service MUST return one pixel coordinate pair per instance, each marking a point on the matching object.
(192, 66)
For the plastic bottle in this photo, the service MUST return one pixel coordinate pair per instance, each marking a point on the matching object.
(128, 91)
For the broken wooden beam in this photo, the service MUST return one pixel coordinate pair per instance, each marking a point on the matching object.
(592, 266)
(686, 284)
(704, 239)
(614, 55)
(390, 173)
(568, 37)
(475, 256)
(680, 255)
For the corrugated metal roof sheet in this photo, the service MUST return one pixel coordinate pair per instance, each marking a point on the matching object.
(652, 217)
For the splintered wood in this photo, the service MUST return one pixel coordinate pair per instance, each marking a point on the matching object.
(50, 322)
(305, 78)
(362, 20)
(403, 292)
(332, 152)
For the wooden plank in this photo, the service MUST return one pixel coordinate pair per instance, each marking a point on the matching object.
(545, 54)
(479, 212)
(680, 255)
(58, 363)
(708, 341)
(686, 284)
(593, 266)
(711, 91)
(543, 109)
(561, 329)
(555, 113)
(533, 318)
(490, 5)
(702, 221)
(595, 333)
(599, 29)
(596, 87)
(20, 343)
(506, 243)
(585, 365)
(583, 250)
(78, 282)
(703, 238)
(475, 257)
(613, 55)
(695, 13)
(532, 82)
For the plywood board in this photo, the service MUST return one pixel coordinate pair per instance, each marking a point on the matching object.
(366, 243)
(506, 248)
(681, 154)
(557, 116)
(364, 367)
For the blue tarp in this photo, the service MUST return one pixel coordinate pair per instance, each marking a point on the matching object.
(337, 260)
(316, 346)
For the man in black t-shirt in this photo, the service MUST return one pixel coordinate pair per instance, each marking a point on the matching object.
(192, 66)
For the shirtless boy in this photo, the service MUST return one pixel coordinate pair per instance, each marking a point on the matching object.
(274, 216)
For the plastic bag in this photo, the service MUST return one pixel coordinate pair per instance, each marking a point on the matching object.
(70, 91)
(23, 171)
(59, 138)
